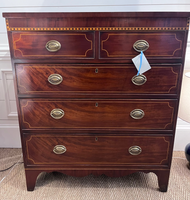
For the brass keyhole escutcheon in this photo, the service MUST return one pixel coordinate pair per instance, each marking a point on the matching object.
(96, 104)
(96, 139)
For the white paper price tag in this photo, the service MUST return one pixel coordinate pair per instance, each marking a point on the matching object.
(145, 66)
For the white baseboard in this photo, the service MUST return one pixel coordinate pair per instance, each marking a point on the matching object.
(182, 137)
(9, 136)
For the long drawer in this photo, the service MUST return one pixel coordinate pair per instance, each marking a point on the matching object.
(34, 78)
(97, 150)
(69, 45)
(96, 114)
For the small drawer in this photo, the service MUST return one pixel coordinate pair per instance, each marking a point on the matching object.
(100, 114)
(124, 45)
(96, 79)
(70, 45)
(96, 150)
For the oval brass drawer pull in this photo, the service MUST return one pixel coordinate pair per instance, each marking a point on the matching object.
(141, 45)
(57, 113)
(135, 150)
(139, 80)
(137, 114)
(55, 79)
(53, 46)
(59, 149)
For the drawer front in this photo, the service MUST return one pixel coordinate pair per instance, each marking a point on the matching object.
(100, 150)
(161, 44)
(116, 79)
(74, 114)
(71, 45)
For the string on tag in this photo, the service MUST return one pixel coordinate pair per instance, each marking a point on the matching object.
(140, 63)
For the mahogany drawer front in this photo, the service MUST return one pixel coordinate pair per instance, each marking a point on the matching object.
(33, 78)
(97, 150)
(99, 114)
(73, 45)
(116, 45)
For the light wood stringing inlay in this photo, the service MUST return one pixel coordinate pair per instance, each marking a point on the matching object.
(29, 125)
(28, 155)
(15, 48)
(125, 55)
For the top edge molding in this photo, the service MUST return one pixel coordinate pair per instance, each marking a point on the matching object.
(94, 14)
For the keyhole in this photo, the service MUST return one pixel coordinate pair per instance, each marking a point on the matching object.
(96, 104)
(96, 139)
(96, 70)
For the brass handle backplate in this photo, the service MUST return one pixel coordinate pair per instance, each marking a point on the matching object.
(137, 114)
(57, 113)
(135, 150)
(141, 45)
(53, 46)
(59, 149)
(139, 80)
(55, 79)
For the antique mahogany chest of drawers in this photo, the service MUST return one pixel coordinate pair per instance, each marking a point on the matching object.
(82, 108)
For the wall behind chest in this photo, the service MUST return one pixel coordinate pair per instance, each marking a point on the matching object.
(9, 129)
